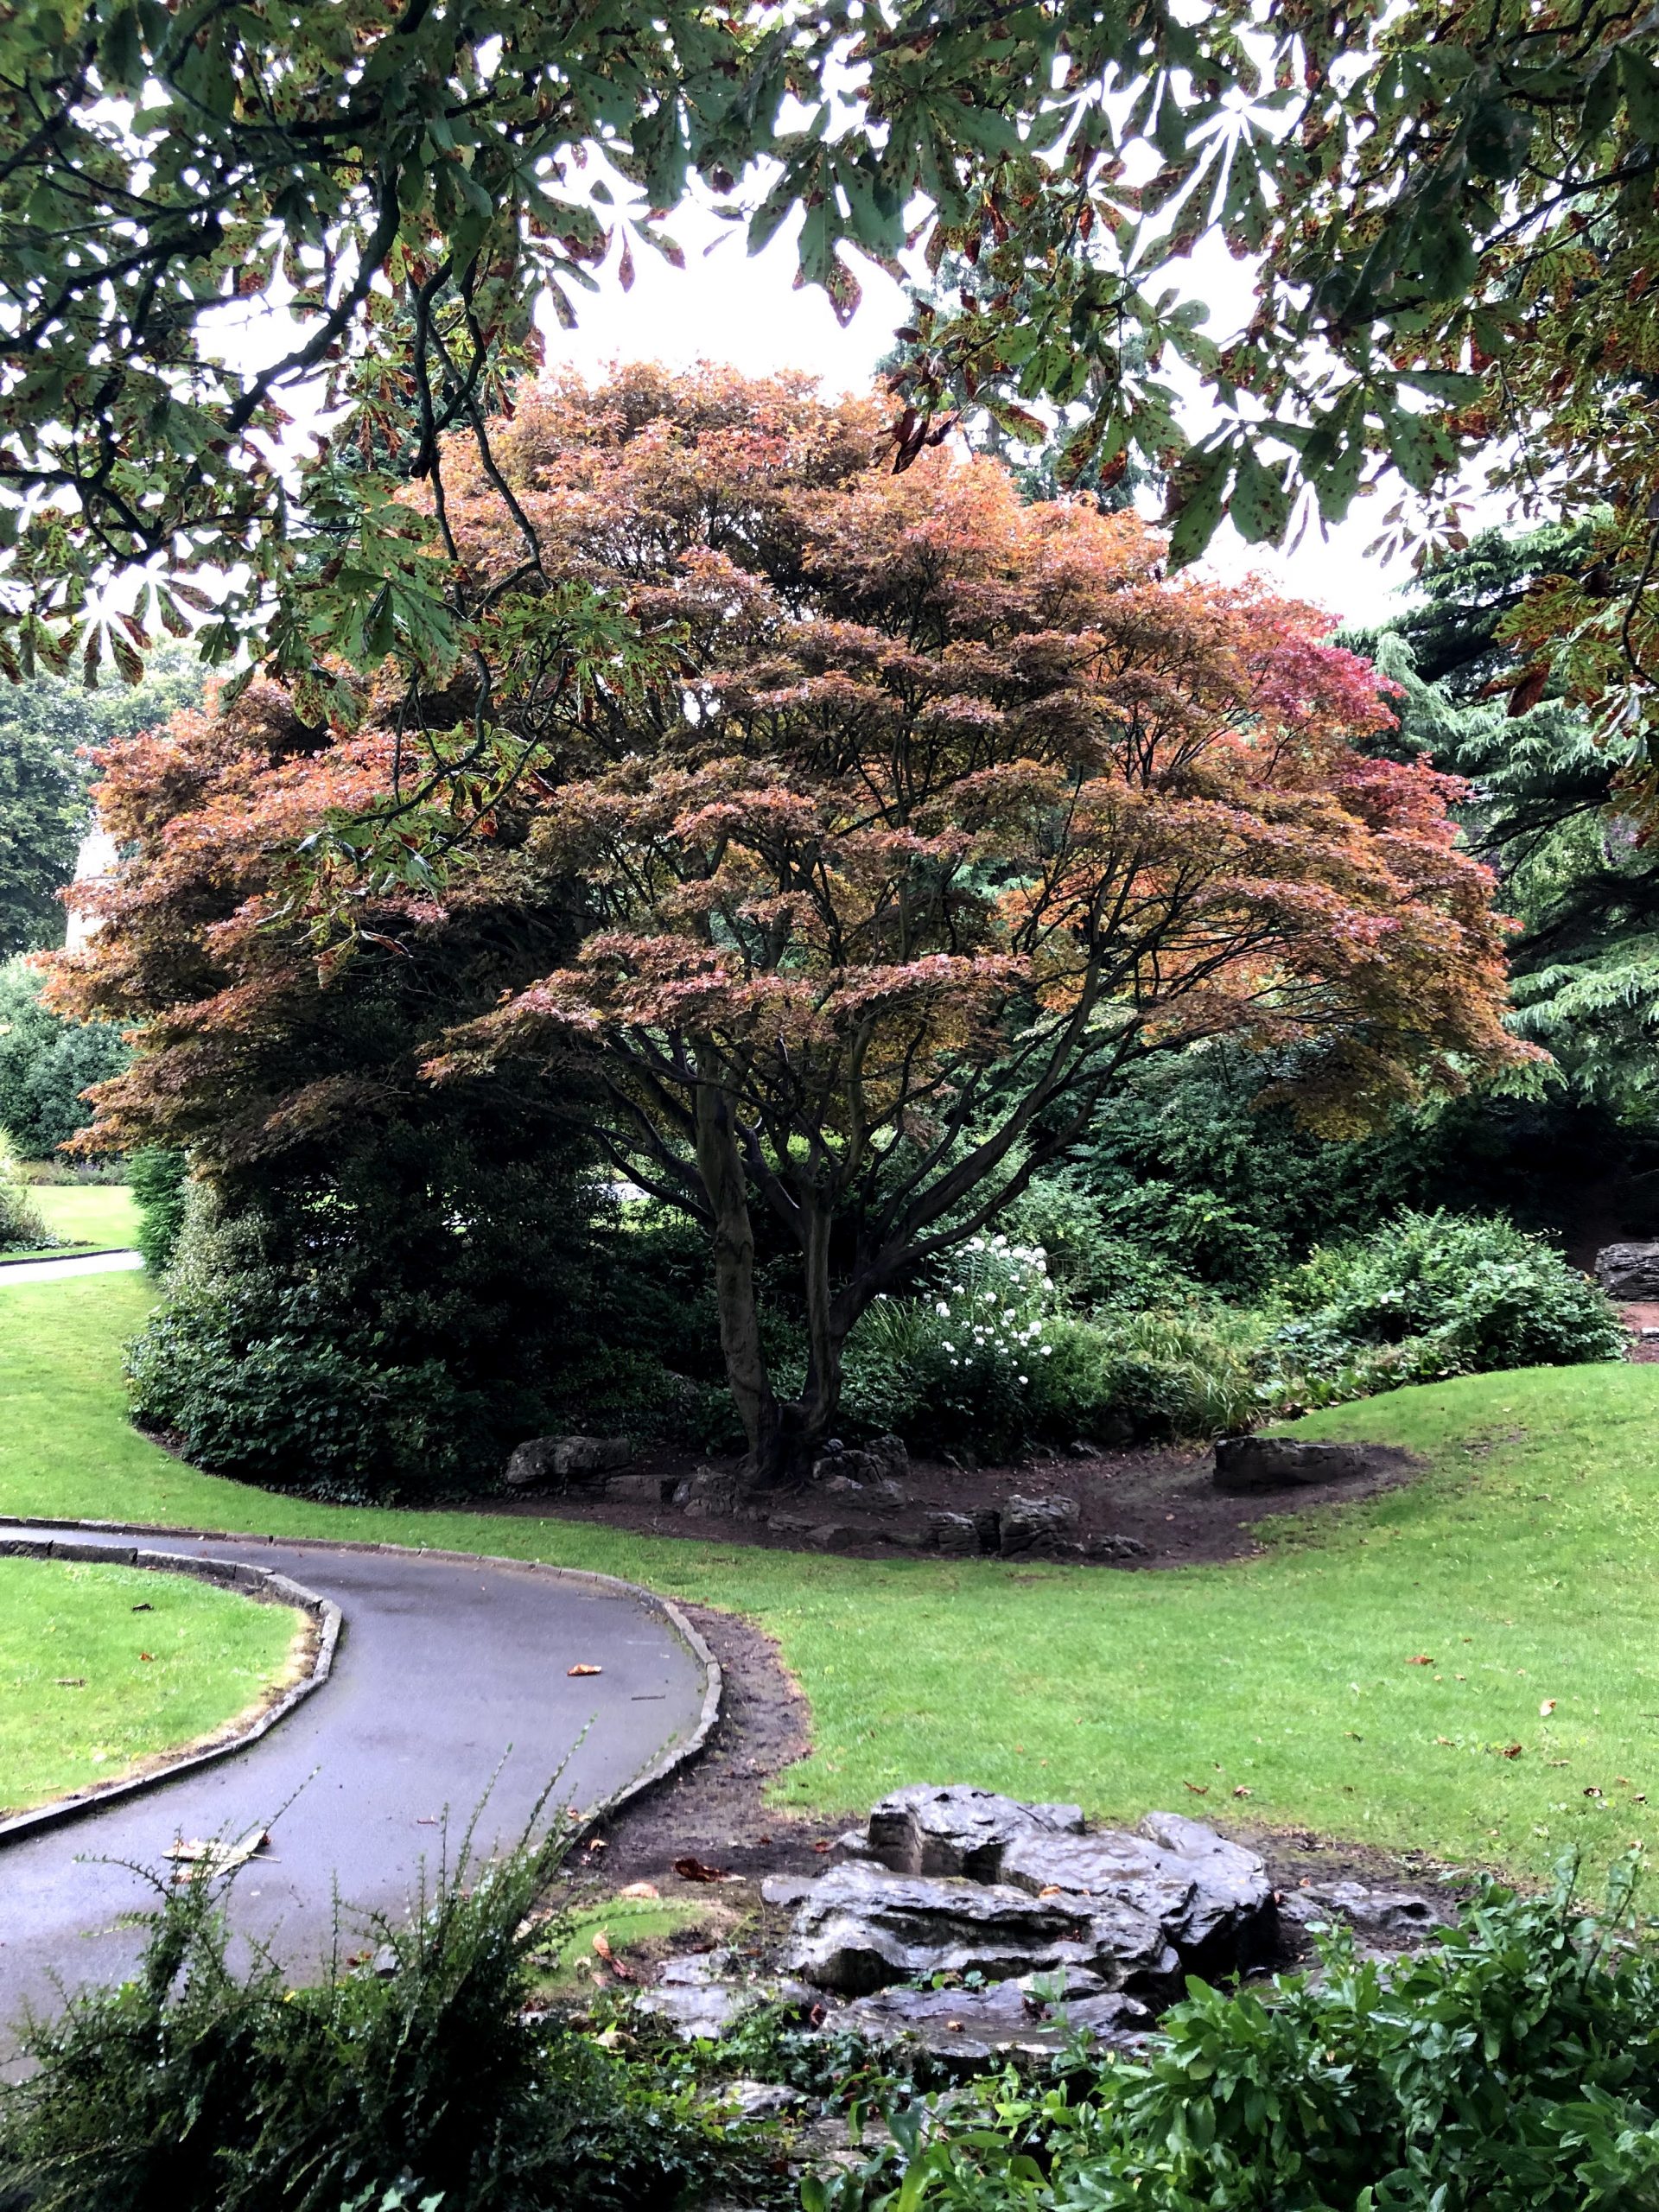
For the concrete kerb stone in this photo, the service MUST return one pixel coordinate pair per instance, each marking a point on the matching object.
(331, 1622)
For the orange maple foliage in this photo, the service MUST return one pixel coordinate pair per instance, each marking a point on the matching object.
(940, 814)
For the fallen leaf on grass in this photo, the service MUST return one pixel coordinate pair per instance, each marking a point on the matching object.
(1512, 1750)
(618, 1966)
(1591, 1791)
(693, 1870)
(147, 1655)
(72, 1681)
(1423, 1659)
(641, 1889)
(1239, 1790)
(582, 1667)
(1443, 1740)
(1546, 1708)
(1198, 1789)
(145, 1608)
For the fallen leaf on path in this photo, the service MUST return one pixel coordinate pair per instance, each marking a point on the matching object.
(582, 1667)
(1050, 1890)
(693, 1870)
(641, 1889)
(201, 1857)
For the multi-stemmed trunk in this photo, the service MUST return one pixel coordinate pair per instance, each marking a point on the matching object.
(785, 1436)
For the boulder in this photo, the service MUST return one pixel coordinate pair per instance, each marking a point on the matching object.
(554, 1462)
(954, 1532)
(1210, 1899)
(1628, 1271)
(1257, 1462)
(1176, 1883)
(1401, 1914)
(709, 1492)
(642, 1490)
(863, 1929)
(1035, 2014)
(1036, 1524)
(1117, 1547)
(952, 1829)
(885, 1458)
(705, 1995)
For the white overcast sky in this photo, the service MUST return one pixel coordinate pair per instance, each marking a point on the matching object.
(727, 306)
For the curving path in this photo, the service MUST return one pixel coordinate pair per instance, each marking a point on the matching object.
(85, 1264)
(447, 1670)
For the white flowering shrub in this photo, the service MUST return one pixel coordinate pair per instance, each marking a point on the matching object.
(997, 1308)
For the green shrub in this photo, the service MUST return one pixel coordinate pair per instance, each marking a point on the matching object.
(1481, 1294)
(22, 1228)
(157, 1177)
(46, 1063)
(1514, 2069)
(191, 2088)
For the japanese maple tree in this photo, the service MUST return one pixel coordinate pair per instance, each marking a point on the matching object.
(932, 815)
(954, 811)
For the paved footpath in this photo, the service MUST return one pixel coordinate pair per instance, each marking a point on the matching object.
(445, 1673)
(88, 1263)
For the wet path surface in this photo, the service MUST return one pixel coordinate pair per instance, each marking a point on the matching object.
(447, 1675)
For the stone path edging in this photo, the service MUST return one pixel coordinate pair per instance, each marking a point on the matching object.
(264, 1585)
(67, 1808)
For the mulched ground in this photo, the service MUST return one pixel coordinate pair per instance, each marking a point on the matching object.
(1640, 1320)
(1164, 1499)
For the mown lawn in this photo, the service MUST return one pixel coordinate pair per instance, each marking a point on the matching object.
(96, 1214)
(102, 1667)
(1524, 1566)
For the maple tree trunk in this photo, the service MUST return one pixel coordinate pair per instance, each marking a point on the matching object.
(785, 1436)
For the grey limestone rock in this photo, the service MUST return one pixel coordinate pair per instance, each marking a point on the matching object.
(704, 1995)
(863, 1927)
(1209, 1898)
(1117, 1547)
(953, 1829)
(1245, 1464)
(646, 1490)
(954, 1532)
(1035, 2014)
(884, 1460)
(1035, 1524)
(552, 1462)
(1630, 1271)
(1396, 1913)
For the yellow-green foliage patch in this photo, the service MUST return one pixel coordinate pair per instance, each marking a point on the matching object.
(1284, 1690)
(102, 1669)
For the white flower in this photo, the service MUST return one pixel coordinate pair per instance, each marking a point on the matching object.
(1025, 1378)
(1048, 1351)
(941, 1308)
(949, 1348)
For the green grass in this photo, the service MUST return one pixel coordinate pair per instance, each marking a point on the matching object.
(90, 1687)
(1526, 1566)
(97, 1214)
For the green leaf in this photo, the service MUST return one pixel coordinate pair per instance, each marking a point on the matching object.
(1640, 82)
(1196, 496)
(1260, 506)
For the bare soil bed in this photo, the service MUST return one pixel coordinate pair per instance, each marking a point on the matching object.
(1162, 1499)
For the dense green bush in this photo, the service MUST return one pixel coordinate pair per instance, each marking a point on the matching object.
(46, 1063)
(1480, 1294)
(158, 1180)
(191, 2088)
(1514, 2069)
(22, 1226)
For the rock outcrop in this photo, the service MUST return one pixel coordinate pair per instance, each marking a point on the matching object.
(961, 1881)
(1628, 1271)
(1245, 1464)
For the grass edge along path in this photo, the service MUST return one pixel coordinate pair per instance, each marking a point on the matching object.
(105, 1670)
(1378, 1675)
